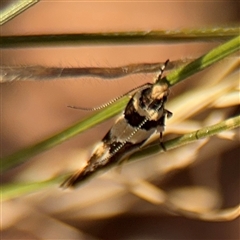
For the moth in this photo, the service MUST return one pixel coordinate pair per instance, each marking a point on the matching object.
(144, 114)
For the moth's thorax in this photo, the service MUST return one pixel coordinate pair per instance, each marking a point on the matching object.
(150, 101)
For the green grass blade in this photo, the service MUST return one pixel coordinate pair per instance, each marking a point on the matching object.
(140, 37)
(204, 61)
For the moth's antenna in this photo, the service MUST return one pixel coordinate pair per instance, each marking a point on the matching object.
(111, 101)
(162, 70)
(119, 97)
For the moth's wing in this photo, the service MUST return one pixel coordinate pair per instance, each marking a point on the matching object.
(100, 162)
(93, 163)
(70, 181)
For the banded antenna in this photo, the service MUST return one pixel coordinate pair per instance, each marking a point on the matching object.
(141, 87)
(145, 85)
(162, 70)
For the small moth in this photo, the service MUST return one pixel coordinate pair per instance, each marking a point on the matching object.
(144, 114)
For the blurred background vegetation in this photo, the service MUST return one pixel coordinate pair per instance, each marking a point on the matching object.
(188, 193)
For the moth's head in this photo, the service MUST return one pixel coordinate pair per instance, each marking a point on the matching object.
(159, 91)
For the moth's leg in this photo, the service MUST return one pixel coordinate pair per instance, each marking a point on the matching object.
(161, 142)
(168, 113)
(150, 139)
(147, 141)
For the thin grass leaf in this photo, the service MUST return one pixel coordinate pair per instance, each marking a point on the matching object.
(140, 37)
(13, 190)
(15, 8)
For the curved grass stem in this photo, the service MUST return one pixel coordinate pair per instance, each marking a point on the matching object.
(17, 189)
